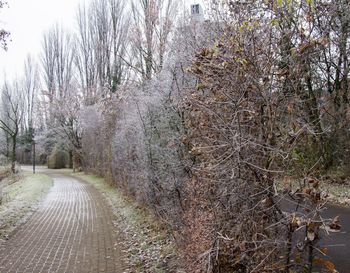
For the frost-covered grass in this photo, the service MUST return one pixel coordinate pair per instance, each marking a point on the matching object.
(20, 196)
(146, 243)
(338, 192)
(4, 170)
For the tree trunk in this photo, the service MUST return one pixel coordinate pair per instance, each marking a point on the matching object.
(70, 159)
(14, 156)
(33, 156)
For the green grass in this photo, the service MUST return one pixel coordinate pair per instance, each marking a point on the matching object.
(146, 242)
(20, 198)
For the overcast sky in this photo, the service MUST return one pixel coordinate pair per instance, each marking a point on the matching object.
(27, 20)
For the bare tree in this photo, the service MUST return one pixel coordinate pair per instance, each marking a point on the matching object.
(100, 24)
(30, 90)
(57, 62)
(48, 63)
(102, 40)
(152, 24)
(11, 116)
(58, 69)
(120, 28)
(63, 48)
(85, 57)
(67, 125)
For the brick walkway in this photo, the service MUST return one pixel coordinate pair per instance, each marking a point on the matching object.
(71, 232)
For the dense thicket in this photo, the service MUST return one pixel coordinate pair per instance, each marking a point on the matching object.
(205, 142)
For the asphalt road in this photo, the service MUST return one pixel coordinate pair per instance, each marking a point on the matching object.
(338, 244)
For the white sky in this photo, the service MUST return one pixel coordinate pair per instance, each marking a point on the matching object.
(27, 20)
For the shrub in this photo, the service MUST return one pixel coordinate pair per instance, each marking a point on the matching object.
(58, 158)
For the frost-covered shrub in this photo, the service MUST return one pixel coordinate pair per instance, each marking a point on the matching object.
(58, 158)
(97, 123)
(3, 160)
(135, 136)
(146, 148)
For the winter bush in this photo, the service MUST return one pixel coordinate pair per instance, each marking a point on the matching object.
(58, 159)
(205, 141)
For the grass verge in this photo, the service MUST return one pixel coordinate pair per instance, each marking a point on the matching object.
(338, 190)
(20, 197)
(147, 244)
(338, 194)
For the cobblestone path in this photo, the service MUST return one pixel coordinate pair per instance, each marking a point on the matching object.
(72, 231)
